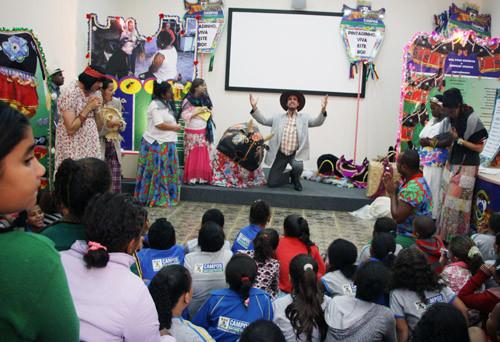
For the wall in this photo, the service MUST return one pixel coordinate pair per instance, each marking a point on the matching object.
(64, 38)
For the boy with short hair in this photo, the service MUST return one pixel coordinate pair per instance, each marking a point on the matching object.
(485, 237)
(162, 252)
(382, 225)
(211, 215)
(260, 215)
(424, 229)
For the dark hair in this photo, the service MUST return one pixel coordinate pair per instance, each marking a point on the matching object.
(424, 226)
(161, 234)
(159, 89)
(494, 222)
(305, 312)
(14, 127)
(195, 84)
(88, 81)
(78, 181)
(459, 246)
(166, 287)
(411, 159)
(106, 82)
(113, 220)
(163, 39)
(411, 271)
(241, 272)
(439, 97)
(296, 226)
(262, 331)
(371, 279)
(265, 243)
(21, 220)
(259, 212)
(211, 237)
(214, 215)
(47, 201)
(383, 248)
(342, 256)
(386, 225)
(452, 98)
(441, 322)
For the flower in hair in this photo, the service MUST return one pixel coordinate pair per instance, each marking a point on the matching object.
(307, 267)
(473, 251)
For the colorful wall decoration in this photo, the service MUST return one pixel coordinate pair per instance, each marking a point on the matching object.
(433, 63)
(23, 84)
(211, 22)
(467, 19)
(135, 61)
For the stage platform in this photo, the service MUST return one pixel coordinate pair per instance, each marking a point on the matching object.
(314, 196)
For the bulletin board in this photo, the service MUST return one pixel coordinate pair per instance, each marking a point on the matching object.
(273, 50)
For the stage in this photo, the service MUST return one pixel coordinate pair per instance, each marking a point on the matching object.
(314, 196)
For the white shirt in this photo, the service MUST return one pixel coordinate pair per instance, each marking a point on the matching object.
(159, 113)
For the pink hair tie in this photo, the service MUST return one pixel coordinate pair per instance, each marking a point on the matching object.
(94, 246)
(246, 301)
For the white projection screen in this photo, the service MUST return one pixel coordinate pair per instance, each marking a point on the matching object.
(273, 50)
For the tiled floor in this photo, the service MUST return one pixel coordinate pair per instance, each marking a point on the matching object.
(325, 226)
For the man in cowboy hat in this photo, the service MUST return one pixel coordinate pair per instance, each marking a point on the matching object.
(56, 81)
(290, 144)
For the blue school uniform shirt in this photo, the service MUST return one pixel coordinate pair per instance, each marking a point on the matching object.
(225, 316)
(153, 260)
(244, 239)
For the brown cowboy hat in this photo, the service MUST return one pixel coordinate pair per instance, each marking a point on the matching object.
(284, 98)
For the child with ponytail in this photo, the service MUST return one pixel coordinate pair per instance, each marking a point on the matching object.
(300, 315)
(341, 268)
(227, 312)
(296, 241)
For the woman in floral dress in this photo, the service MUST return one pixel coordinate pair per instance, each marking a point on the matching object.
(76, 133)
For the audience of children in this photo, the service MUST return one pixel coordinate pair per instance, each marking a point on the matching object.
(340, 269)
(360, 318)
(424, 228)
(111, 302)
(485, 237)
(162, 249)
(268, 268)
(300, 315)
(214, 215)
(207, 267)
(260, 215)
(382, 225)
(76, 183)
(172, 290)
(414, 286)
(227, 312)
(296, 241)
(51, 210)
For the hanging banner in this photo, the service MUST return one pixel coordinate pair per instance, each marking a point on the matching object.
(362, 31)
(469, 19)
(433, 63)
(211, 22)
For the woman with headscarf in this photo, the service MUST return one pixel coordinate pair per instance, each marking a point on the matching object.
(462, 166)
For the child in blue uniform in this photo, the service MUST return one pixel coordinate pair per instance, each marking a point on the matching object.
(162, 252)
(260, 215)
(227, 312)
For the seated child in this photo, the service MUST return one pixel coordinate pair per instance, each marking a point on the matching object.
(51, 210)
(424, 228)
(485, 237)
(262, 331)
(268, 268)
(171, 290)
(227, 312)
(260, 215)
(340, 269)
(162, 252)
(214, 215)
(30, 220)
(207, 266)
(382, 225)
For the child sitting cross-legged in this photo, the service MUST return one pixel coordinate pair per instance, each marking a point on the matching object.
(162, 252)
(424, 228)
(340, 269)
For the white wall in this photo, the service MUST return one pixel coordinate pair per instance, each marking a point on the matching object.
(62, 29)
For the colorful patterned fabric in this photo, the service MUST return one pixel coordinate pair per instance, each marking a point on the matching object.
(197, 153)
(158, 178)
(456, 200)
(113, 163)
(268, 275)
(433, 156)
(290, 141)
(416, 193)
(229, 174)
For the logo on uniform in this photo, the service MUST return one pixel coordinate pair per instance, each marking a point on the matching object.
(231, 325)
(421, 306)
(349, 289)
(214, 267)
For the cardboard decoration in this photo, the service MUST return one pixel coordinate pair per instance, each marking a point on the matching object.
(362, 31)
(135, 62)
(211, 22)
(463, 19)
(434, 63)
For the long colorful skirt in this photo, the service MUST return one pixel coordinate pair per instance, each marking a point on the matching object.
(456, 200)
(229, 174)
(114, 164)
(158, 178)
(197, 165)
